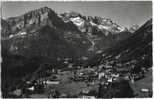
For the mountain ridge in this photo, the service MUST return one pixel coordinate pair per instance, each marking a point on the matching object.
(31, 21)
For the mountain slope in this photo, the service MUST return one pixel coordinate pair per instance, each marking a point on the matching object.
(136, 50)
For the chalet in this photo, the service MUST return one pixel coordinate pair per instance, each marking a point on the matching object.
(48, 82)
(32, 88)
(110, 79)
(63, 95)
(100, 75)
(28, 82)
(115, 75)
(17, 92)
(144, 90)
(85, 91)
(70, 65)
(108, 66)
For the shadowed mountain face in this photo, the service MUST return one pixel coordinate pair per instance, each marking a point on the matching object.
(42, 33)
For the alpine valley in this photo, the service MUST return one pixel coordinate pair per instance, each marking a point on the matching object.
(42, 37)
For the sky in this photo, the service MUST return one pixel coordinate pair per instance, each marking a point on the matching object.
(124, 13)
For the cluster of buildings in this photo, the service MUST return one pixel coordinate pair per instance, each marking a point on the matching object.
(103, 74)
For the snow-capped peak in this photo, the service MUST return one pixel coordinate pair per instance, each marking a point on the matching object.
(84, 23)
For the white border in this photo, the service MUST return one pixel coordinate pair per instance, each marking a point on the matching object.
(76, 0)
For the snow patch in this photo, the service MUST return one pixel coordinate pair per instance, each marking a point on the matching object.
(120, 29)
(103, 27)
(93, 24)
(78, 21)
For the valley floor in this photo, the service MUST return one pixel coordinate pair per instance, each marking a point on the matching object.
(83, 82)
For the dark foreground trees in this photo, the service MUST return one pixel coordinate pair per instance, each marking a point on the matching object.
(119, 89)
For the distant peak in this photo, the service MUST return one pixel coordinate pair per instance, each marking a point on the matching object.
(41, 11)
(71, 14)
(45, 8)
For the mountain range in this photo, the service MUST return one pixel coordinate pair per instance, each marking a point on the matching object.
(42, 32)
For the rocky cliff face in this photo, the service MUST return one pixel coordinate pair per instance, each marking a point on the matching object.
(101, 32)
(42, 33)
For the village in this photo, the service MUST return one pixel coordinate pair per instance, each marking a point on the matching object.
(76, 81)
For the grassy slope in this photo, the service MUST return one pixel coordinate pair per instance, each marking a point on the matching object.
(143, 83)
